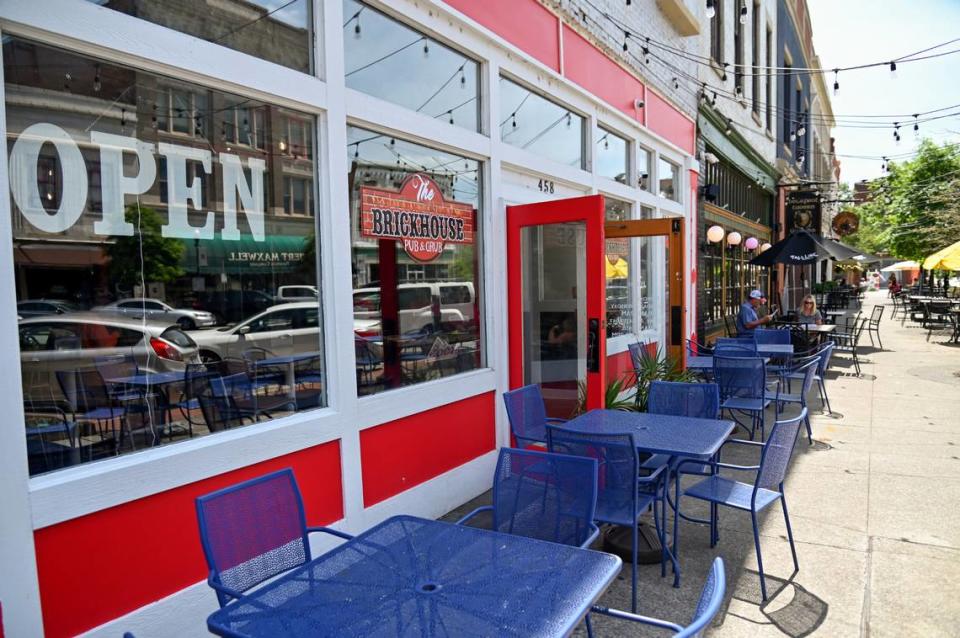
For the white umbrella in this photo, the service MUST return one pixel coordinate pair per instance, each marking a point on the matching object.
(901, 265)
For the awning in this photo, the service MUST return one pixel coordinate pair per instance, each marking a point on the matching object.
(944, 259)
(901, 265)
(58, 254)
(246, 256)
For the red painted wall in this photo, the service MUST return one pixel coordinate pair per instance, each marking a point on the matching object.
(526, 24)
(109, 563)
(590, 68)
(618, 365)
(400, 454)
(666, 121)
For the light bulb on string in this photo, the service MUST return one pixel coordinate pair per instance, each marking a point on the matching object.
(569, 119)
(793, 135)
(450, 113)
(836, 81)
(356, 151)
(713, 102)
(893, 70)
(711, 10)
(729, 128)
(426, 48)
(463, 79)
(646, 52)
(743, 12)
(676, 84)
(916, 125)
(96, 80)
(356, 28)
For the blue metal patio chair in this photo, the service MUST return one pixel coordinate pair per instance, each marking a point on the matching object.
(765, 490)
(772, 336)
(697, 349)
(824, 363)
(711, 597)
(637, 353)
(807, 369)
(88, 406)
(622, 495)
(552, 497)
(528, 416)
(742, 382)
(253, 531)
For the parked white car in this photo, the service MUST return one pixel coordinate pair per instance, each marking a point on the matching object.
(186, 318)
(297, 293)
(415, 300)
(280, 330)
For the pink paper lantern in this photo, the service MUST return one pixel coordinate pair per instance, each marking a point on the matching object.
(751, 243)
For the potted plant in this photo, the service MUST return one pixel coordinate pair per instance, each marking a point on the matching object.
(656, 365)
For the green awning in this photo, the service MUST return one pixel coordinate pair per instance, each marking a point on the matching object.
(246, 256)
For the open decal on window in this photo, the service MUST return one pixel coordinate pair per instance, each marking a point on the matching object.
(418, 215)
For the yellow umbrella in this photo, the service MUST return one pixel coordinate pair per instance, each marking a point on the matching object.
(945, 259)
(619, 269)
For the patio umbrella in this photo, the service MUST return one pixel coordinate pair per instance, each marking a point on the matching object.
(800, 248)
(944, 259)
(901, 265)
(841, 251)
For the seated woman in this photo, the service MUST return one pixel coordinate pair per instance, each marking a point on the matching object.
(808, 313)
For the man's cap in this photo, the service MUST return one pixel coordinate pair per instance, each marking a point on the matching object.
(756, 294)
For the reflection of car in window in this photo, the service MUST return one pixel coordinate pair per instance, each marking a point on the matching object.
(415, 306)
(281, 330)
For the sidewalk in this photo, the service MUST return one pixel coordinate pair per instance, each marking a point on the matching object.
(874, 508)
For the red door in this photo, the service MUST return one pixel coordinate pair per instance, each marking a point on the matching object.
(557, 301)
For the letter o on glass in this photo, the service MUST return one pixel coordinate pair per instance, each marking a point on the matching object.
(24, 158)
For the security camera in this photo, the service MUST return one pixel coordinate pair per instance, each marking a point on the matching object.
(710, 158)
(638, 103)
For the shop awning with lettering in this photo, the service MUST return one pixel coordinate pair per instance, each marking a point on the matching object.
(245, 256)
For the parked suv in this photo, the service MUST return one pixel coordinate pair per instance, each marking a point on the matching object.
(456, 300)
(74, 341)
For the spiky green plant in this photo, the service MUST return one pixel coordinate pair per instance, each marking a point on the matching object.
(612, 398)
(656, 366)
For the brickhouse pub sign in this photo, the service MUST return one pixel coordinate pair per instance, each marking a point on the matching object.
(418, 215)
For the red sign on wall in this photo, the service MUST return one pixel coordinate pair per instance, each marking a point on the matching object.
(418, 215)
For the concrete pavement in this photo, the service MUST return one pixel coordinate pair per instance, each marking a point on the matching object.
(873, 505)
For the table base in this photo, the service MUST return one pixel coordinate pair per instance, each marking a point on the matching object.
(617, 540)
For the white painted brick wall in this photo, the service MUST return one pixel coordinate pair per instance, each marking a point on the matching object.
(644, 19)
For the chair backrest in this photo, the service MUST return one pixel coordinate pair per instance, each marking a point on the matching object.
(527, 414)
(70, 386)
(825, 353)
(552, 497)
(876, 315)
(636, 356)
(699, 400)
(777, 451)
(116, 366)
(711, 597)
(739, 376)
(774, 336)
(617, 467)
(213, 392)
(697, 349)
(809, 370)
(253, 531)
(92, 391)
(730, 326)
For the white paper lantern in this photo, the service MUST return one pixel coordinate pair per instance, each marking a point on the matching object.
(751, 243)
(715, 234)
(734, 238)
(765, 247)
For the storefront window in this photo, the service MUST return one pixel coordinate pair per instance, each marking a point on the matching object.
(668, 175)
(610, 153)
(416, 272)
(391, 61)
(644, 163)
(534, 123)
(620, 276)
(274, 30)
(151, 218)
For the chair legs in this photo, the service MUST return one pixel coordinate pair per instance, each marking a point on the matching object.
(633, 575)
(756, 542)
(823, 393)
(786, 519)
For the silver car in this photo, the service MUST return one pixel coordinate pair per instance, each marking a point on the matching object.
(186, 318)
(280, 330)
(75, 342)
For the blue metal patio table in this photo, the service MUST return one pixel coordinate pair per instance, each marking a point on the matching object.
(675, 436)
(159, 380)
(701, 362)
(775, 349)
(289, 364)
(410, 576)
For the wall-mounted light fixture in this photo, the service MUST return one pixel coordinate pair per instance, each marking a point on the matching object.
(734, 238)
(715, 234)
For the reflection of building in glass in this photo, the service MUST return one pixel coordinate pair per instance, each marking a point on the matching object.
(83, 96)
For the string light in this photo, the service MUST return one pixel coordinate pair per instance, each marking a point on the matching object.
(356, 28)
(729, 129)
(711, 10)
(676, 84)
(569, 119)
(743, 12)
(893, 70)
(426, 48)
(626, 36)
(646, 52)
(450, 113)
(916, 125)
(66, 81)
(96, 79)
(836, 81)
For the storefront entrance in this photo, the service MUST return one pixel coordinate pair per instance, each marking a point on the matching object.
(557, 296)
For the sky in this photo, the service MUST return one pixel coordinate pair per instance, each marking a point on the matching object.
(850, 32)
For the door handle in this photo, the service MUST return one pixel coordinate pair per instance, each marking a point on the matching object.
(593, 345)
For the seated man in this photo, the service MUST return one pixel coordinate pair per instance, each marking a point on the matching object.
(747, 319)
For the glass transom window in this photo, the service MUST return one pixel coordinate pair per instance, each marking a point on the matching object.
(391, 61)
(536, 124)
(610, 153)
(173, 226)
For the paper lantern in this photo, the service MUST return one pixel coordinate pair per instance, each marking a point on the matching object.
(734, 238)
(765, 247)
(751, 243)
(715, 234)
